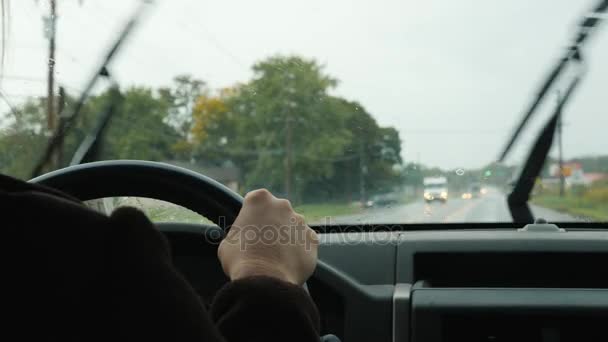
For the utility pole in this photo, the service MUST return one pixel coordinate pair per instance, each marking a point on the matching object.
(362, 173)
(560, 147)
(288, 141)
(290, 105)
(58, 115)
(50, 31)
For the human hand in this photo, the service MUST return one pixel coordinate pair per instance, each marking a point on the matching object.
(269, 238)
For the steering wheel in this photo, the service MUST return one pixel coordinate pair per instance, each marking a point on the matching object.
(177, 185)
(161, 181)
(165, 182)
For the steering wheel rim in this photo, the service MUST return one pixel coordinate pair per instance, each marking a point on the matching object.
(140, 178)
(161, 181)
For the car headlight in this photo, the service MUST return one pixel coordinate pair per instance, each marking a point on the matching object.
(444, 194)
(370, 203)
(427, 195)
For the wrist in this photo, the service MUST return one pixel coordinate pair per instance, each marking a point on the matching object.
(259, 268)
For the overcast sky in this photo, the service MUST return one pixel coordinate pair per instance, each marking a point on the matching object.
(452, 76)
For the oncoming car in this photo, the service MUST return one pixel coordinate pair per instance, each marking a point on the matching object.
(383, 200)
(435, 189)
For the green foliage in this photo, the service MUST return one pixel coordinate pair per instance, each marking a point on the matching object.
(320, 212)
(25, 135)
(290, 93)
(413, 175)
(597, 192)
(249, 126)
(181, 98)
(138, 130)
(590, 202)
(584, 207)
(286, 111)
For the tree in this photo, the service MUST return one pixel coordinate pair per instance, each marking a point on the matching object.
(280, 116)
(181, 98)
(26, 135)
(208, 115)
(413, 175)
(138, 129)
(293, 114)
(282, 128)
(367, 164)
(214, 127)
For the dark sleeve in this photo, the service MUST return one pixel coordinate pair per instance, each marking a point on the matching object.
(265, 309)
(150, 296)
(74, 274)
(146, 296)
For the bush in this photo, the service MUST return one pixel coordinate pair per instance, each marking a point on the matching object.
(599, 195)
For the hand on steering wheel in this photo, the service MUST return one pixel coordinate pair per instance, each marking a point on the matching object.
(269, 238)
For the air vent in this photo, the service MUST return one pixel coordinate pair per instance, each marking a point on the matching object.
(543, 270)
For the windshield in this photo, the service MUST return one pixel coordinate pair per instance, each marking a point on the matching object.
(358, 112)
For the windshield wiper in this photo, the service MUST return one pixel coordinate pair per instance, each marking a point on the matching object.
(65, 124)
(518, 198)
(585, 29)
(88, 149)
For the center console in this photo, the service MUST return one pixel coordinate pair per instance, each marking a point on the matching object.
(504, 286)
(535, 315)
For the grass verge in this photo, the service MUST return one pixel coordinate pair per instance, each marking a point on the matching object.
(174, 214)
(316, 212)
(593, 210)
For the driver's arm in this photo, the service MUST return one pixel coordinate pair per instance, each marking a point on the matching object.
(268, 254)
(265, 309)
(263, 302)
(75, 274)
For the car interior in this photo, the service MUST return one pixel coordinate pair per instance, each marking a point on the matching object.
(434, 282)
(526, 280)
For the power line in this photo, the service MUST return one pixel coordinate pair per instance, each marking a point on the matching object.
(22, 96)
(22, 78)
(37, 80)
(452, 131)
(210, 38)
(9, 104)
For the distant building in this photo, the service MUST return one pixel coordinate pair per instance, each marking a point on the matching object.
(228, 175)
(595, 176)
(573, 174)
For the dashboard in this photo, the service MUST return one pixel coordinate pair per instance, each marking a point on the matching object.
(540, 283)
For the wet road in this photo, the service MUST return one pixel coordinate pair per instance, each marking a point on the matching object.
(492, 207)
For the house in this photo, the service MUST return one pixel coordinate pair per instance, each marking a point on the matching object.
(573, 174)
(591, 177)
(228, 174)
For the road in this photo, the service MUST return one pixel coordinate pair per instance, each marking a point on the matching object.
(492, 207)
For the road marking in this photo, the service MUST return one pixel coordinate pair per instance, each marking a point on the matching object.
(465, 209)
